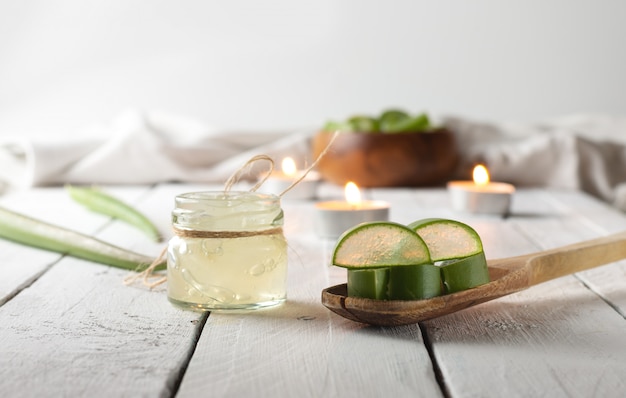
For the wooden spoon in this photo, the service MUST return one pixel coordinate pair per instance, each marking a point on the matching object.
(508, 275)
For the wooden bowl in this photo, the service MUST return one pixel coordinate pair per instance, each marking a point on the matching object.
(387, 160)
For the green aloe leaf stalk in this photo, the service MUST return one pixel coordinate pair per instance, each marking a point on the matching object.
(36, 233)
(100, 202)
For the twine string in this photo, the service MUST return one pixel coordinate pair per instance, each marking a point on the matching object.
(315, 162)
(147, 274)
(234, 178)
(201, 234)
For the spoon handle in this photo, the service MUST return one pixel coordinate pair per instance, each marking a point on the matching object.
(566, 260)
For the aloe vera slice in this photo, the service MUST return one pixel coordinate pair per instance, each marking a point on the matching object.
(383, 260)
(388, 261)
(403, 282)
(103, 203)
(459, 249)
(414, 282)
(35, 233)
(447, 239)
(367, 283)
(379, 244)
(464, 273)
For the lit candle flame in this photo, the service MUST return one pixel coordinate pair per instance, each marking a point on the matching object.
(481, 175)
(289, 166)
(353, 195)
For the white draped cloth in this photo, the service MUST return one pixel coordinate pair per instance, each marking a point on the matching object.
(142, 148)
(585, 152)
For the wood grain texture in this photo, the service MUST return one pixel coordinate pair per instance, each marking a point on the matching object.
(403, 159)
(52, 205)
(558, 339)
(77, 331)
(301, 349)
(607, 282)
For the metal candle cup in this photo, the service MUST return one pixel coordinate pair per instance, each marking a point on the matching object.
(481, 195)
(335, 217)
(493, 198)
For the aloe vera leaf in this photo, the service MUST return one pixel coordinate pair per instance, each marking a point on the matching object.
(103, 203)
(36, 233)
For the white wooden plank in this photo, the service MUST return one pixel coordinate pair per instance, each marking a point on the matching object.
(78, 331)
(554, 340)
(24, 264)
(558, 339)
(301, 348)
(596, 219)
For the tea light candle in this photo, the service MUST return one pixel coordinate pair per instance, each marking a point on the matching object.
(279, 181)
(481, 195)
(335, 217)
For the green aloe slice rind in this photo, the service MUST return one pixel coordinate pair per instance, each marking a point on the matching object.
(403, 282)
(464, 273)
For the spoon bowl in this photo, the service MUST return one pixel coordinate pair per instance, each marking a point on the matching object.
(507, 275)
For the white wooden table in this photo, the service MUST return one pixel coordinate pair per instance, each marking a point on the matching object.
(70, 328)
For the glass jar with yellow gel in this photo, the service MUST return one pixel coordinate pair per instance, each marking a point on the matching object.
(228, 253)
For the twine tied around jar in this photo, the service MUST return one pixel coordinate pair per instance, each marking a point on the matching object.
(148, 273)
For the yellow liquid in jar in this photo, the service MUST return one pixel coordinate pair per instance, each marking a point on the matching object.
(227, 273)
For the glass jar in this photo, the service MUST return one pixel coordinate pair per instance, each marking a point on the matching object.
(228, 252)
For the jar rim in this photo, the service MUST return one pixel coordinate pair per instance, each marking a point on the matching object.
(222, 195)
(226, 211)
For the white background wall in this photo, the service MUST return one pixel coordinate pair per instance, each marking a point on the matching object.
(277, 64)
